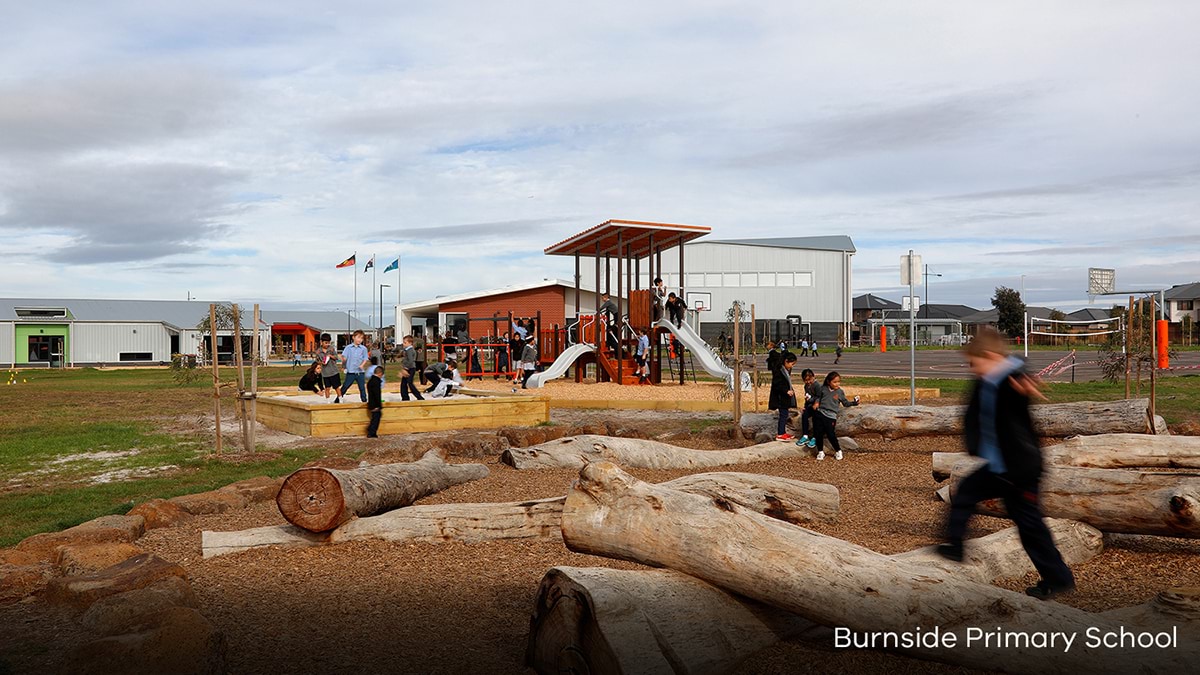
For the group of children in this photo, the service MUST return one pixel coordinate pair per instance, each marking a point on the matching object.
(822, 403)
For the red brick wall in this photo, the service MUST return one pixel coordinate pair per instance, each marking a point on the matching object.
(549, 300)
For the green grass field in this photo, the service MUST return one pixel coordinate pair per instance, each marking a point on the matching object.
(79, 444)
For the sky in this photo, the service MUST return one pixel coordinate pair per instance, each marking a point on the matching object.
(234, 150)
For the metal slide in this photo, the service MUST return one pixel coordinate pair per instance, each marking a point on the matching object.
(560, 365)
(703, 353)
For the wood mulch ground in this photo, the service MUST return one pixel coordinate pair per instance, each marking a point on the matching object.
(453, 608)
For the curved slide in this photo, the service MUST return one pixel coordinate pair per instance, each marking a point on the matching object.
(560, 365)
(711, 363)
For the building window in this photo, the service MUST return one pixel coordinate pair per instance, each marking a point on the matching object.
(766, 279)
(695, 280)
(712, 280)
(784, 279)
(731, 280)
(1184, 305)
(804, 278)
(135, 356)
(750, 279)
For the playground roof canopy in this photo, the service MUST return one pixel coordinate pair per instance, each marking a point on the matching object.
(633, 233)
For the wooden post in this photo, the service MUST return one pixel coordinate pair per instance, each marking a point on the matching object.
(754, 354)
(255, 351)
(1137, 332)
(239, 363)
(212, 331)
(737, 364)
(1128, 343)
(620, 326)
(578, 328)
(1153, 391)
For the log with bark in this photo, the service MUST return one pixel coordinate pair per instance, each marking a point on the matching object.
(1111, 500)
(789, 500)
(319, 499)
(830, 581)
(573, 452)
(603, 620)
(1056, 420)
(1106, 451)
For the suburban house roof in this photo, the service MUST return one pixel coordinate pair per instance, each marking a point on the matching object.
(831, 242)
(874, 302)
(1089, 314)
(180, 314)
(943, 311)
(1183, 292)
(990, 315)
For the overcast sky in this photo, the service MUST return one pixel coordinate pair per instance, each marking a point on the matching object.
(242, 149)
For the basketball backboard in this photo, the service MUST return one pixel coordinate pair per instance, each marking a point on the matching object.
(1101, 280)
(701, 302)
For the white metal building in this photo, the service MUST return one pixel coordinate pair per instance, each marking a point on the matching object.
(804, 281)
(78, 332)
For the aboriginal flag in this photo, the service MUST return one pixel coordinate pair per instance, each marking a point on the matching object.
(348, 262)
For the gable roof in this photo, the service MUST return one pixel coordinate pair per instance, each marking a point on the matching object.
(1183, 292)
(1089, 314)
(489, 292)
(990, 315)
(873, 302)
(831, 242)
(944, 311)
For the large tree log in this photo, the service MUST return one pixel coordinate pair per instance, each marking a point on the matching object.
(319, 499)
(789, 500)
(1111, 500)
(1106, 451)
(602, 620)
(1056, 420)
(573, 452)
(830, 581)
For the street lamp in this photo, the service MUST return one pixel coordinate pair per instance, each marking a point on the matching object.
(927, 275)
(381, 287)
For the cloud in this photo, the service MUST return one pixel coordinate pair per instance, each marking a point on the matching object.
(471, 232)
(120, 212)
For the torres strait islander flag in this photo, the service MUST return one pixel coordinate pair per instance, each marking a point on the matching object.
(348, 262)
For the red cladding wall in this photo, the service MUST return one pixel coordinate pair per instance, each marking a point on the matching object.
(549, 300)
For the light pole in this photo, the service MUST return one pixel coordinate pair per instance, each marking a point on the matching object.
(381, 287)
(927, 275)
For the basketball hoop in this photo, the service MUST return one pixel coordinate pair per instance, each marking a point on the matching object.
(1101, 281)
(699, 301)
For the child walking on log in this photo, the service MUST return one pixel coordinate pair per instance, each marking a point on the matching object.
(998, 428)
(828, 406)
(783, 396)
(812, 392)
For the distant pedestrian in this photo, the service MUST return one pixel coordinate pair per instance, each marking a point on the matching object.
(813, 347)
(375, 401)
(500, 354)
(837, 351)
(295, 359)
(804, 347)
(419, 353)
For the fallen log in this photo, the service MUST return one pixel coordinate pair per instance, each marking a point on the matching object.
(1055, 420)
(1106, 451)
(603, 620)
(319, 499)
(789, 500)
(1111, 500)
(573, 452)
(830, 581)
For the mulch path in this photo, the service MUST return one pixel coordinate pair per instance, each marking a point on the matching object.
(454, 608)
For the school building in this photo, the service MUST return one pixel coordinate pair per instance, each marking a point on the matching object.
(485, 313)
(50, 332)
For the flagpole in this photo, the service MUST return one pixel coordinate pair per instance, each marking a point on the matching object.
(374, 285)
(398, 284)
(355, 286)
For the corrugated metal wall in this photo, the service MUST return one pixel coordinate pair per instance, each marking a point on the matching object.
(823, 301)
(7, 349)
(104, 342)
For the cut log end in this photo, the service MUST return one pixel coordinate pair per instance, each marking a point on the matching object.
(312, 498)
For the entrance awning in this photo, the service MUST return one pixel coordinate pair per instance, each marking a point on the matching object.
(638, 236)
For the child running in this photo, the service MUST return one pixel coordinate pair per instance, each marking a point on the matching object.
(829, 404)
(783, 396)
(812, 392)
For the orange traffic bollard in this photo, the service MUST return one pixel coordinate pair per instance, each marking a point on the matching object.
(883, 338)
(1163, 358)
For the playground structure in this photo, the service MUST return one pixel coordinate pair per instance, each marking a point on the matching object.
(609, 341)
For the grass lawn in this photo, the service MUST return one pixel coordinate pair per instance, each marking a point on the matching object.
(78, 444)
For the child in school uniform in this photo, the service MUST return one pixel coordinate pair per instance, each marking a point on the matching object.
(375, 400)
(529, 360)
(812, 392)
(829, 404)
(311, 380)
(783, 395)
(331, 375)
(447, 382)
